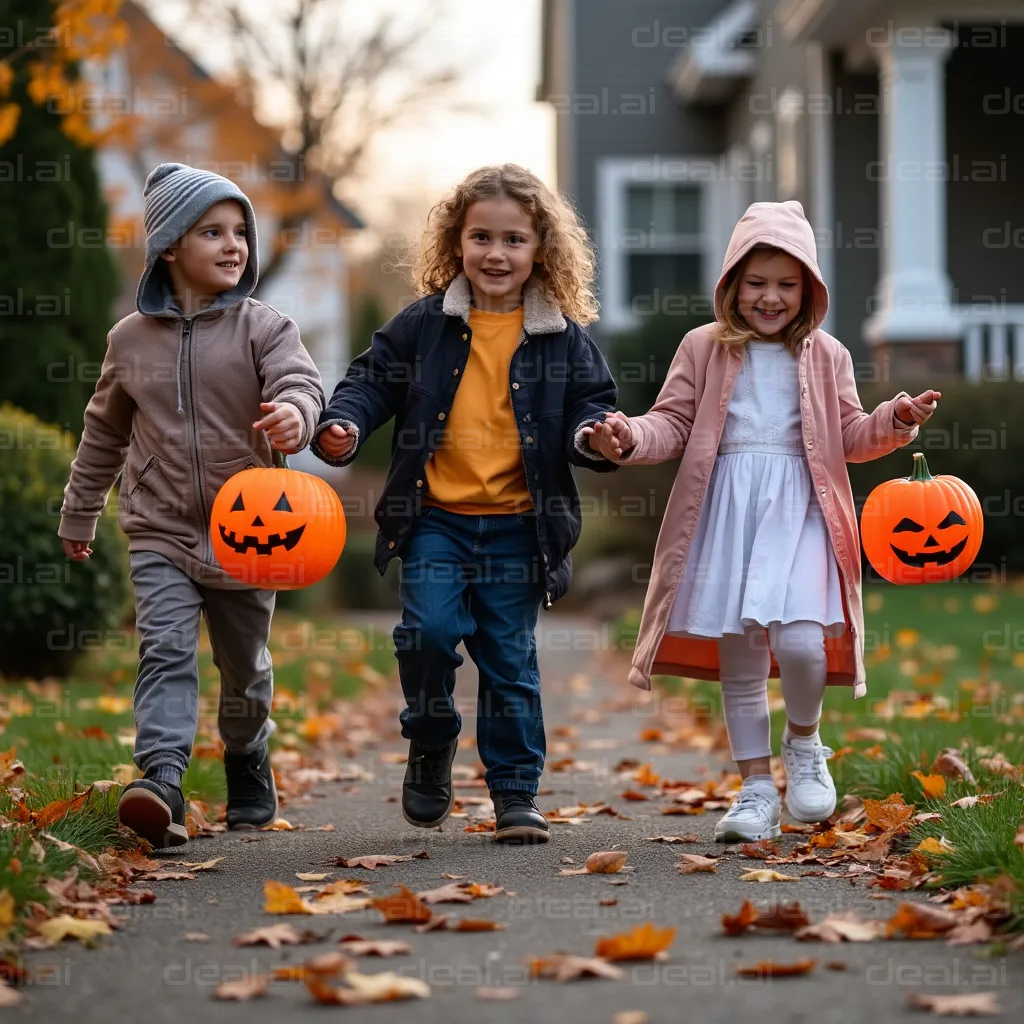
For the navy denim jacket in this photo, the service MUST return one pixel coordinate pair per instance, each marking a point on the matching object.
(558, 383)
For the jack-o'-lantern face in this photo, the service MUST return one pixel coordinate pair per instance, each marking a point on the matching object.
(921, 529)
(277, 528)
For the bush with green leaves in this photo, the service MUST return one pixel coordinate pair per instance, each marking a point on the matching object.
(53, 609)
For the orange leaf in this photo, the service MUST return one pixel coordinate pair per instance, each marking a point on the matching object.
(770, 969)
(920, 921)
(737, 924)
(60, 808)
(889, 815)
(934, 786)
(646, 775)
(477, 924)
(403, 906)
(283, 899)
(642, 943)
(632, 794)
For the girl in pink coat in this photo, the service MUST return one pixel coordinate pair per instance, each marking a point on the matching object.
(757, 566)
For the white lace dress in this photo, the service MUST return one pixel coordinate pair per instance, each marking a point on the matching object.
(761, 551)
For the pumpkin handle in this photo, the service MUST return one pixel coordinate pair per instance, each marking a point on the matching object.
(280, 459)
(920, 472)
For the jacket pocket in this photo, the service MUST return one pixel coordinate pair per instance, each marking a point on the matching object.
(163, 501)
(217, 474)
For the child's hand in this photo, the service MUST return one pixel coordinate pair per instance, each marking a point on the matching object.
(612, 437)
(76, 550)
(916, 410)
(283, 424)
(337, 441)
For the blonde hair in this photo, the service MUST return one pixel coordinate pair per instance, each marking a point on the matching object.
(733, 329)
(567, 271)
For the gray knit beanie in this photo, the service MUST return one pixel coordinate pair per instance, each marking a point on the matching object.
(177, 195)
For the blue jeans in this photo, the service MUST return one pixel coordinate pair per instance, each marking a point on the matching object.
(476, 578)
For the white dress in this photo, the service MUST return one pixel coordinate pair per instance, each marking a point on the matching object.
(761, 551)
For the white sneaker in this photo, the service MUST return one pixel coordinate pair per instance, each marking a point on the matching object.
(810, 791)
(754, 815)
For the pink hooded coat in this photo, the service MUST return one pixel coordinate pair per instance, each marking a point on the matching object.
(687, 420)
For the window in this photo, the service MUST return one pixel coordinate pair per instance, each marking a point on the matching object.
(659, 235)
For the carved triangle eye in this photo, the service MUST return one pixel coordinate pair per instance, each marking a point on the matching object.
(907, 526)
(282, 504)
(953, 519)
(238, 506)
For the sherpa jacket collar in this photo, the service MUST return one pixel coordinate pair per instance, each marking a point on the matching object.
(540, 314)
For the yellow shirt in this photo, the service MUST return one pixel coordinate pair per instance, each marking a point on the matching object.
(478, 468)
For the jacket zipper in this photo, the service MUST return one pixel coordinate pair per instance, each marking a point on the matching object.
(193, 446)
(522, 456)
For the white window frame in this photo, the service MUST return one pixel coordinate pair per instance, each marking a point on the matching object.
(614, 175)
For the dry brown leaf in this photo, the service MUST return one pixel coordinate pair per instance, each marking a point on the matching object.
(692, 863)
(952, 765)
(498, 993)
(451, 893)
(688, 837)
(920, 921)
(476, 924)
(766, 875)
(969, 933)
(782, 917)
(387, 986)
(402, 907)
(483, 890)
(970, 1004)
(761, 850)
(646, 776)
(632, 794)
(771, 969)
(606, 862)
(326, 965)
(250, 987)
(311, 876)
(846, 926)
(375, 947)
(273, 935)
(567, 967)
(196, 937)
(738, 923)
(630, 1017)
(8, 996)
(67, 927)
(58, 809)
(643, 942)
(373, 861)
(891, 815)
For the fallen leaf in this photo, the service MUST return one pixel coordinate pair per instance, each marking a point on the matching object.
(691, 863)
(970, 1004)
(325, 965)
(476, 924)
(950, 764)
(480, 890)
(766, 875)
(933, 786)
(761, 850)
(310, 876)
(630, 1017)
(387, 986)
(483, 826)
(446, 894)
(606, 862)
(934, 846)
(891, 815)
(273, 935)
(196, 937)
(498, 993)
(737, 924)
(8, 996)
(847, 926)
(771, 969)
(642, 943)
(59, 809)
(250, 987)
(782, 917)
(283, 899)
(646, 775)
(632, 794)
(689, 837)
(920, 921)
(375, 947)
(67, 927)
(402, 907)
(567, 967)
(373, 861)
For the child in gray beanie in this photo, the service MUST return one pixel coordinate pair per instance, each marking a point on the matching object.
(202, 382)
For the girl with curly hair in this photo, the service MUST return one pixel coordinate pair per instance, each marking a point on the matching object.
(495, 388)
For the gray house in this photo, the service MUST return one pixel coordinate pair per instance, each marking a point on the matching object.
(898, 124)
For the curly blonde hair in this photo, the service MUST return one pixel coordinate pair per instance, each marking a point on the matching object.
(567, 270)
(733, 329)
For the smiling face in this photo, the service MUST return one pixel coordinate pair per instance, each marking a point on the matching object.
(932, 551)
(210, 257)
(498, 245)
(771, 290)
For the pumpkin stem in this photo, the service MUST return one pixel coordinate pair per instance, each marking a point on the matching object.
(281, 460)
(920, 471)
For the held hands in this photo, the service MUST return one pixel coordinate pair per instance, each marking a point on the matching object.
(76, 550)
(911, 411)
(337, 441)
(283, 423)
(612, 437)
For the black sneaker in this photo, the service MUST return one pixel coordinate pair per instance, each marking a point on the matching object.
(517, 818)
(427, 794)
(252, 795)
(154, 810)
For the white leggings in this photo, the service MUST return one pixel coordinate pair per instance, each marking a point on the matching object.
(745, 661)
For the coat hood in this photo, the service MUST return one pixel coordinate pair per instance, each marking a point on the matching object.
(784, 226)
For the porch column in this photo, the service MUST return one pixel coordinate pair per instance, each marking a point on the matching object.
(913, 322)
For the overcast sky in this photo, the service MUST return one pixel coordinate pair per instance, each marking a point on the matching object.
(496, 46)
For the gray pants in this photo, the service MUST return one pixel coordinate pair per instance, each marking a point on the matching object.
(167, 608)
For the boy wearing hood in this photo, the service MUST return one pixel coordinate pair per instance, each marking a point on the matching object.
(202, 382)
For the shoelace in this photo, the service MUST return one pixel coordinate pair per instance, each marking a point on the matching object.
(808, 766)
(431, 767)
(748, 797)
(251, 782)
(516, 798)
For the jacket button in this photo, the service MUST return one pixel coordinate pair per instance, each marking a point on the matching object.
(440, 415)
(527, 417)
(810, 444)
(515, 386)
(391, 543)
(455, 372)
(419, 483)
(529, 440)
(430, 455)
(821, 489)
(465, 337)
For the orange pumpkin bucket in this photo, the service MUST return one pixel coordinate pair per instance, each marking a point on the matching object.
(921, 528)
(278, 529)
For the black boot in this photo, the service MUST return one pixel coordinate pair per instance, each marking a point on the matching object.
(154, 810)
(252, 795)
(517, 818)
(427, 794)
